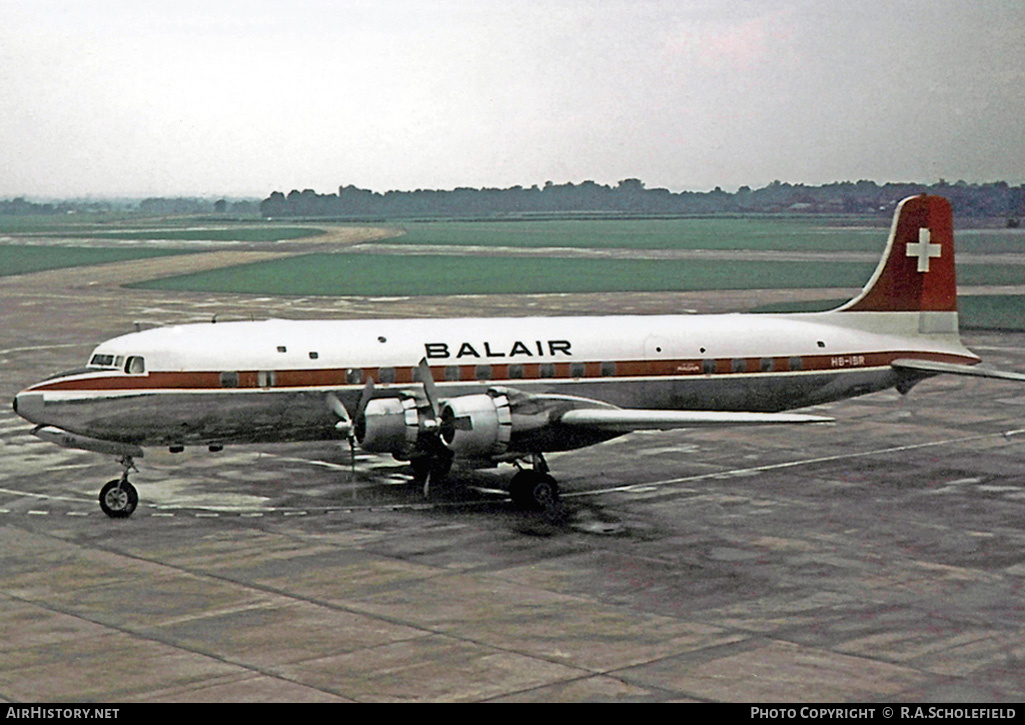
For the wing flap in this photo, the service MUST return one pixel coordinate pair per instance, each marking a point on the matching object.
(624, 420)
(929, 366)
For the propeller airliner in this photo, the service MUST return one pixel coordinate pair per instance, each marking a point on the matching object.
(481, 392)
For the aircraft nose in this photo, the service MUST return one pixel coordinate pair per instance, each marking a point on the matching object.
(29, 406)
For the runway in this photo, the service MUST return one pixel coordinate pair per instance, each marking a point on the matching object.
(878, 557)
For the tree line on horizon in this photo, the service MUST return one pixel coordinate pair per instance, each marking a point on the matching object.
(628, 198)
(631, 197)
(178, 205)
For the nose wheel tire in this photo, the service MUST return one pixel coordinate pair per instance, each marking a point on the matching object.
(118, 499)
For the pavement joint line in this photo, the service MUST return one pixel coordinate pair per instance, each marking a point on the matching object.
(794, 464)
(200, 512)
(138, 634)
(426, 629)
(44, 496)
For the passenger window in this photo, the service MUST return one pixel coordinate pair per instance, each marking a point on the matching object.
(354, 376)
(739, 365)
(547, 370)
(708, 366)
(483, 372)
(796, 363)
(229, 380)
(608, 369)
(135, 365)
(387, 375)
(451, 372)
(576, 370)
(515, 371)
(766, 365)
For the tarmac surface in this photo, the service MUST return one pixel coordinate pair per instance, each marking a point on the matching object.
(881, 557)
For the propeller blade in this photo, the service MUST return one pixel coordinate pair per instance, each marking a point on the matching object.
(427, 379)
(364, 398)
(336, 406)
(344, 424)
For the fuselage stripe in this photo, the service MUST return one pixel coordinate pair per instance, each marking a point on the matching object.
(509, 374)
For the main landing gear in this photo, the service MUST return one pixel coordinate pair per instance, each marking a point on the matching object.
(431, 469)
(531, 489)
(118, 498)
(534, 489)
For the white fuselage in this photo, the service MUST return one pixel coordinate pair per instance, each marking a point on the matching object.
(266, 381)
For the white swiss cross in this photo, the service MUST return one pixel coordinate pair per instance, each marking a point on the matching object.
(923, 250)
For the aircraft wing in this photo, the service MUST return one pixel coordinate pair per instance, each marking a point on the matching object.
(928, 366)
(624, 420)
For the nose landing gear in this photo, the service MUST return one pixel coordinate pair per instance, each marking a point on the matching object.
(118, 498)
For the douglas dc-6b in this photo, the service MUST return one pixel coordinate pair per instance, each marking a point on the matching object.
(487, 391)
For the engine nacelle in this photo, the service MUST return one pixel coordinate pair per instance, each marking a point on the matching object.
(471, 426)
(476, 426)
(389, 425)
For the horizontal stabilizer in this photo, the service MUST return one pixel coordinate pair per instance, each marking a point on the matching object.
(928, 366)
(625, 420)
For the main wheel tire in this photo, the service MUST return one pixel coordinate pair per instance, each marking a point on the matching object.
(118, 499)
(533, 491)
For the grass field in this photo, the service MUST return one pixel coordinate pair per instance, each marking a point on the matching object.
(402, 274)
(703, 233)
(990, 240)
(46, 223)
(25, 258)
(378, 274)
(992, 312)
(700, 233)
(767, 232)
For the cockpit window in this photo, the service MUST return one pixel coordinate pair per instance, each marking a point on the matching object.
(102, 361)
(135, 365)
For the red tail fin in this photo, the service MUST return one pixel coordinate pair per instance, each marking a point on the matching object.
(916, 272)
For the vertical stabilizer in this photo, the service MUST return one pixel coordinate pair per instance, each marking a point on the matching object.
(916, 273)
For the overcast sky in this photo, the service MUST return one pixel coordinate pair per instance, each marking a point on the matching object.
(128, 98)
